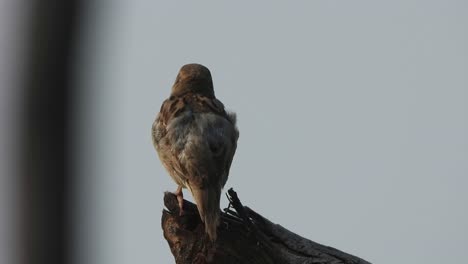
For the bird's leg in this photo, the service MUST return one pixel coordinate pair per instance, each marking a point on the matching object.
(180, 199)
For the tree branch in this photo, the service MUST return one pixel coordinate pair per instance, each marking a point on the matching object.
(244, 236)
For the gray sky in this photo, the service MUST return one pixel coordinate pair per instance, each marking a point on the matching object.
(352, 115)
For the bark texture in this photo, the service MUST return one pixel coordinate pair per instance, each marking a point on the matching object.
(244, 236)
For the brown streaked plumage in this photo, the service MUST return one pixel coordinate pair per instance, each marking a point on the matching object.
(196, 139)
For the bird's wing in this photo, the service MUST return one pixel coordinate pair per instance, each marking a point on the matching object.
(168, 139)
(212, 142)
(230, 153)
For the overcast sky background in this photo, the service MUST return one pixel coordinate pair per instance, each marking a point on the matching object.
(353, 121)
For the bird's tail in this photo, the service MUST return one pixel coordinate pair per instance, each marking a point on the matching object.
(207, 200)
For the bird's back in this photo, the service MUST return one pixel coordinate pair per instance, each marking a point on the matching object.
(196, 139)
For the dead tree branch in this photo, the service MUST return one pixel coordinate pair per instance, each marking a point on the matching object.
(244, 236)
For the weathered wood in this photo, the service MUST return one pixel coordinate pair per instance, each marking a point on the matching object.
(244, 236)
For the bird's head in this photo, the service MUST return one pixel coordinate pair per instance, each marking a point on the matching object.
(194, 78)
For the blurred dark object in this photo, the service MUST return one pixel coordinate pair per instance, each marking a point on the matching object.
(46, 154)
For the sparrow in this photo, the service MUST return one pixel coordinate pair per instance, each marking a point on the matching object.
(196, 138)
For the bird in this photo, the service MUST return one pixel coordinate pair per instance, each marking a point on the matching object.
(196, 139)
